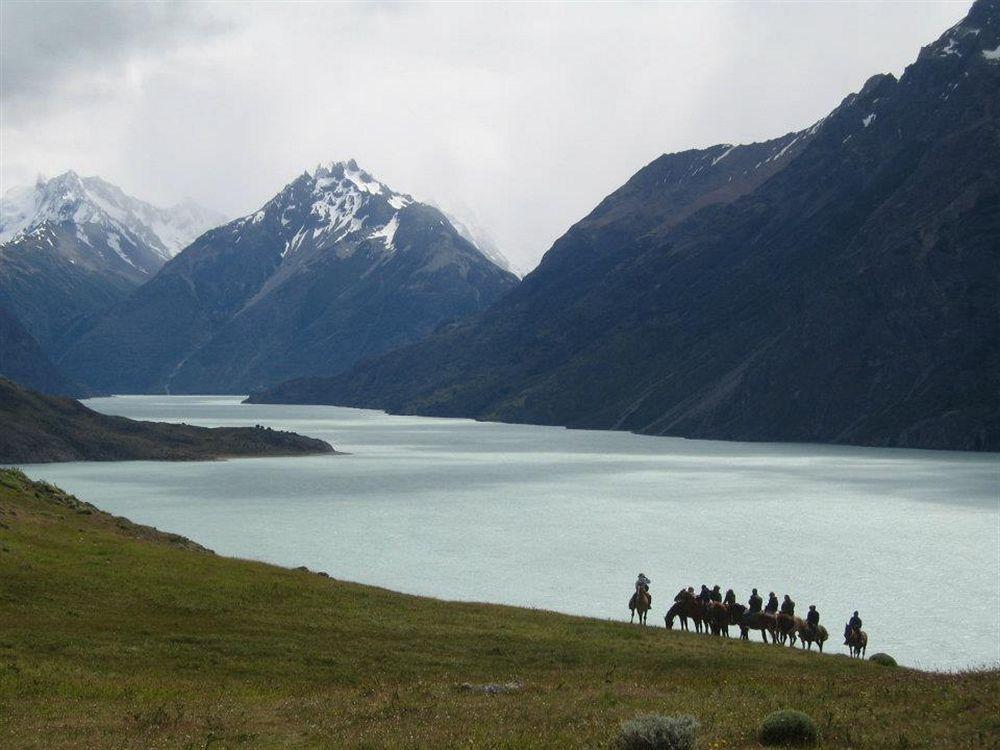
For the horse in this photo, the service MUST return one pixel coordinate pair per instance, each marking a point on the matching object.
(786, 626)
(857, 641)
(640, 602)
(717, 618)
(808, 637)
(684, 608)
(765, 622)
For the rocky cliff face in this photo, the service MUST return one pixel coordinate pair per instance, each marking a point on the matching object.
(836, 285)
(335, 268)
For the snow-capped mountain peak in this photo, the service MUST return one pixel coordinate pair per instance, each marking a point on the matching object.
(93, 208)
(338, 207)
(336, 204)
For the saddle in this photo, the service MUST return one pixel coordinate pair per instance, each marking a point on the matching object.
(634, 600)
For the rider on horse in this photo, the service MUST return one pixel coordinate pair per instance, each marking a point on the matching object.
(812, 620)
(854, 624)
(716, 594)
(772, 603)
(730, 598)
(788, 606)
(642, 583)
(755, 602)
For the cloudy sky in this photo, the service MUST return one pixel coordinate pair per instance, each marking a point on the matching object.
(519, 117)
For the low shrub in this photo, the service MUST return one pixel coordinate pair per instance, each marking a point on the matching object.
(884, 659)
(657, 732)
(788, 728)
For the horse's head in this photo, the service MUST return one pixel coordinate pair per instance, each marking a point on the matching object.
(668, 620)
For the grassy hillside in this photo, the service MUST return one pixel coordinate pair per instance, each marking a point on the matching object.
(35, 428)
(114, 635)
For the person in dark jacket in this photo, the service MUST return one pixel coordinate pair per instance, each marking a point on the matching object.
(772, 603)
(788, 606)
(755, 602)
(705, 596)
(853, 624)
(716, 594)
(730, 597)
(812, 619)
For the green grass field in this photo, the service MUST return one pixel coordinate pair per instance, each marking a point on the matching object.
(113, 635)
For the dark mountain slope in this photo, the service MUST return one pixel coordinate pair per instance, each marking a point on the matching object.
(22, 360)
(55, 284)
(41, 429)
(334, 268)
(848, 296)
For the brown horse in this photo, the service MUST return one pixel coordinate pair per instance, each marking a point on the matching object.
(717, 618)
(765, 622)
(857, 641)
(809, 637)
(786, 625)
(640, 602)
(684, 608)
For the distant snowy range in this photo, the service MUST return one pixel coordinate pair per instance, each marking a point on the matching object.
(101, 291)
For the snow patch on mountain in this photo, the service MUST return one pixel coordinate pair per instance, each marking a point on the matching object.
(724, 154)
(387, 233)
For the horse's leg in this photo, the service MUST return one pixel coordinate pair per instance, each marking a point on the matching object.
(820, 644)
(632, 618)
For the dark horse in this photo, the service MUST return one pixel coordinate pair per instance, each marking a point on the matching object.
(765, 622)
(685, 607)
(640, 602)
(808, 635)
(787, 627)
(717, 618)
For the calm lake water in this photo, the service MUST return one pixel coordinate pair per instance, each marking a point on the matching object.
(564, 520)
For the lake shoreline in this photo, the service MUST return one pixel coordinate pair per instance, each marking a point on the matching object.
(545, 518)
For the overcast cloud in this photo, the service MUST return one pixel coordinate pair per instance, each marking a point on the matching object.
(521, 117)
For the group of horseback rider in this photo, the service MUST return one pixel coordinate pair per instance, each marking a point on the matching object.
(755, 604)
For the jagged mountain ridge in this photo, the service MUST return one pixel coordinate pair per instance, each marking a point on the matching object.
(334, 268)
(138, 233)
(846, 294)
(73, 246)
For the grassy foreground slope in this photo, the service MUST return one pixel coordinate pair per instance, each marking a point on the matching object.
(117, 636)
(35, 428)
